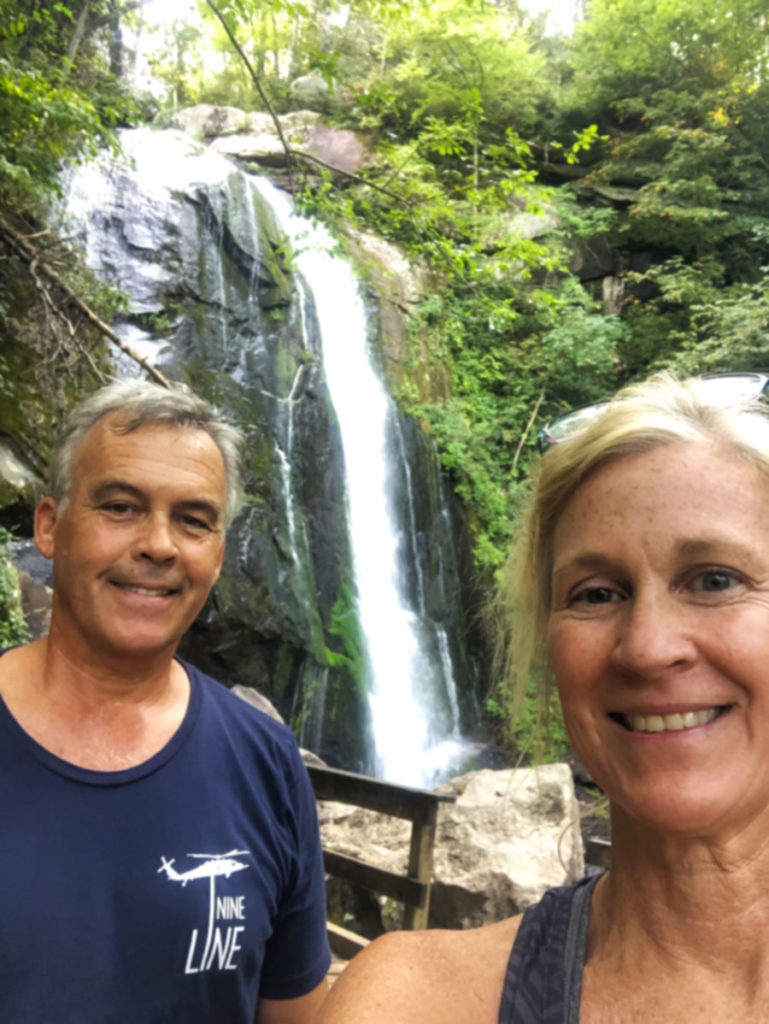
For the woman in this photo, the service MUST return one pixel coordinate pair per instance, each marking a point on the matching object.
(641, 580)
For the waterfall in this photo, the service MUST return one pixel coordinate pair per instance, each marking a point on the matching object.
(201, 229)
(406, 674)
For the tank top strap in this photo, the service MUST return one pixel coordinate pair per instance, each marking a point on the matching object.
(543, 981)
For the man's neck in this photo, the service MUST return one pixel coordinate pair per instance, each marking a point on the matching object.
(92, 712)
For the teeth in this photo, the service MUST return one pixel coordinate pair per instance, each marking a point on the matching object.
(147, 591)
(670, 723)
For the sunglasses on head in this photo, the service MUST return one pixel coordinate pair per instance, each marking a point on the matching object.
(720, 389)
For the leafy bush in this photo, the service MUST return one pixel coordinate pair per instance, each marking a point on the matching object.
(13, 627)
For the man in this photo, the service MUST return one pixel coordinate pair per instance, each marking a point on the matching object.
(159, 850)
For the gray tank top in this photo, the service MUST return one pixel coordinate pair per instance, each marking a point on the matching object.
(543, 982)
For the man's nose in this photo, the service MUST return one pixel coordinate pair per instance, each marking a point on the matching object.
(156, 540)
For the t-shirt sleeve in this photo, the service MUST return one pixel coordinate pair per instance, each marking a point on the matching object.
(297, 956)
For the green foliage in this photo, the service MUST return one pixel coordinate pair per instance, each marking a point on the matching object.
(728, 329)
(508, 358)
(345, 629)
(682, 89)
(57, 99)
(13, 627)
(538, 732)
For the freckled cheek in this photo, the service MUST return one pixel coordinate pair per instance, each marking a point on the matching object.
(560, 649)
(575, 659)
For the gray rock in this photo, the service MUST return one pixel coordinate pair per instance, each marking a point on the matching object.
(314, 91)
(257, 700)
(509, 836)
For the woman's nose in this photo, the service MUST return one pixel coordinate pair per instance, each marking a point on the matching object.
(652, 636)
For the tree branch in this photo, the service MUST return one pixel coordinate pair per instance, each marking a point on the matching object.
(301, 154)
(263, 95)
(524, 435)
(29, 255)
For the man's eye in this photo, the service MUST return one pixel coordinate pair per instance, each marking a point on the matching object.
(195, 523)
(117, 508)
(713, 581)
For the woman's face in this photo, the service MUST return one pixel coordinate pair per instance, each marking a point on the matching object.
(659, 635)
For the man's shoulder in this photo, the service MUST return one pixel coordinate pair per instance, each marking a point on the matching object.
(236, 711)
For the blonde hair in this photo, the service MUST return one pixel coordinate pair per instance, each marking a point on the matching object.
(661, 410)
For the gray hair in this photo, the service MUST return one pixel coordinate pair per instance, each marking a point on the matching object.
(138, 402)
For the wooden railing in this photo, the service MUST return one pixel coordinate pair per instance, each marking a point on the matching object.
(418, 806)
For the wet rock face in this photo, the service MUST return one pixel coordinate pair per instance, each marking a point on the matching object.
(213, 302)
(213, 299)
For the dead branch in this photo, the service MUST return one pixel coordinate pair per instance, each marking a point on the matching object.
(259, 88)
(352, 177)
(533, 416)
(37, 267)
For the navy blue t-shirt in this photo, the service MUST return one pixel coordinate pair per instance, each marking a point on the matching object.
(176, 892)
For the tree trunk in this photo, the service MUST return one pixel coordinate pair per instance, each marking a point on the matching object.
(78, 34)
(116, 49)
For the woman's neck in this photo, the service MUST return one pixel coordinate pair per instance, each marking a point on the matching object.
(701, 900)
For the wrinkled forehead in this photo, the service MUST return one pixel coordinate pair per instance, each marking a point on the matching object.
(154, 447)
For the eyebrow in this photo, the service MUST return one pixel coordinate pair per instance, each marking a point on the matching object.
(699, 547)
(592, 561)
(110, 488)
(704, 545)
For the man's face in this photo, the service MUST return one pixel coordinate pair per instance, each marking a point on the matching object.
(139, 543)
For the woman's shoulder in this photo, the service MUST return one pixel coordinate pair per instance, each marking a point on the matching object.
(427, 977)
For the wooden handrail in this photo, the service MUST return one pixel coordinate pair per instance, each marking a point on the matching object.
(420, 807)
(374, 794)
(386, 883)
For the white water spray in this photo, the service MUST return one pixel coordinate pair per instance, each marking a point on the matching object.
(403, 667)
(412, 692)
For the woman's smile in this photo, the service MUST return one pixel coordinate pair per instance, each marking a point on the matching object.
(664, 722)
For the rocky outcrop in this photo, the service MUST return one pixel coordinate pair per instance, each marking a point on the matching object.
(214, 298)
(252, 137)
(508, 837)
(214, 302)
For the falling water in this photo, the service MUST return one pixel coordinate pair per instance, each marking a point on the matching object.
(408, 666)
(411, 687)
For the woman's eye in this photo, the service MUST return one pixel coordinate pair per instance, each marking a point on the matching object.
(594, 595)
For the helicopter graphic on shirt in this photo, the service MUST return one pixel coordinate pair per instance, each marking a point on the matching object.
(214, 864)
(221, 945)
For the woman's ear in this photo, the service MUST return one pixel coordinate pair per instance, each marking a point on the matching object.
(45, 525)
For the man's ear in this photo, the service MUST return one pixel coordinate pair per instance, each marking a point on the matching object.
(45, 524)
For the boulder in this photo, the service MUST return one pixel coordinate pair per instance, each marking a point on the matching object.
(314, 91)
(508, 837)
(400, 286)
(253, 138)
(259, 701)
(208, 120)
(336, 148)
